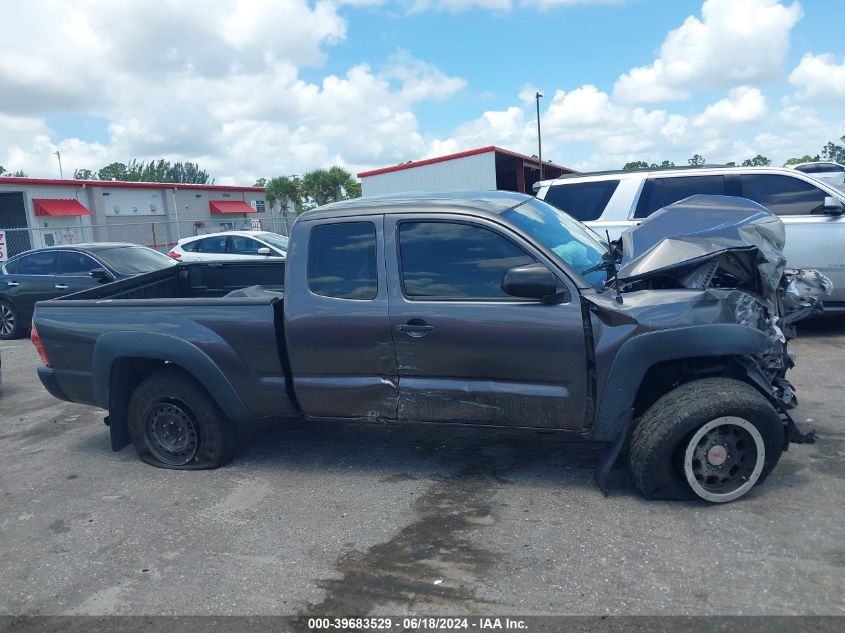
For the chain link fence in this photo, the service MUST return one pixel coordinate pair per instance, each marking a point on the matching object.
(160, 235)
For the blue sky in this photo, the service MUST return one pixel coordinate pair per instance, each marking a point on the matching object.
(253, 88)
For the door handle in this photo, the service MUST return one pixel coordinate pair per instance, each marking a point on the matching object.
(12, 283)
(415, 328)
(60, 286)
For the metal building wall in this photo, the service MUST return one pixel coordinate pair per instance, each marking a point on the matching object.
(469, 172)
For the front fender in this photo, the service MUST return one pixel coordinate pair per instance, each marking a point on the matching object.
(637, 355)
(114, 345)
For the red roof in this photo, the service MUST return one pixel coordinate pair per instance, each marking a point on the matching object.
(472, 152)
(119, 183)
(230, 206)
(55, 208)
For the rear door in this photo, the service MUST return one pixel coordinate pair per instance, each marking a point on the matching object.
(336, 321)
(660, 192)
(74, 272)
(466, 351)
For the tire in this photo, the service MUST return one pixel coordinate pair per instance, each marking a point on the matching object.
(713, 439)
(10, 323)
(174, 423)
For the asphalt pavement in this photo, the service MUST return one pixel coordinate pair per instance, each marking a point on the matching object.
(319, 518)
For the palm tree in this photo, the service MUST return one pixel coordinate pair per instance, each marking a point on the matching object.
(342, 184)
(285, 191)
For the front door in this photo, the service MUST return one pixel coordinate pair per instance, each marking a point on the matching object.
(467, 352)
(34, 280)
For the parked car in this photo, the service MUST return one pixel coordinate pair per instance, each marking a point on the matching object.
(489, 308)
(827, 171)
(811, 210)
(46, 273)
(231, 246)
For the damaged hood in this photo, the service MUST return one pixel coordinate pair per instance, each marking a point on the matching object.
(694, 239)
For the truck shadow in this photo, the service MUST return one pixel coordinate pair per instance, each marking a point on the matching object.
(825, 326)
(401, 452)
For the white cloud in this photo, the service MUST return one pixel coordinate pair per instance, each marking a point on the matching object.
(499, 6)
(222, 86)
(734, 43)
(742, 105)
(819, 77)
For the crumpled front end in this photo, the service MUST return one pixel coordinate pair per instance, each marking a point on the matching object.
(731, 251)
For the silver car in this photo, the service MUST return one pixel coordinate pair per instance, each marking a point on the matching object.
(811, 210)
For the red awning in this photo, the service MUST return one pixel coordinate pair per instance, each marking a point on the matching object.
(45, 206)
(229, 206)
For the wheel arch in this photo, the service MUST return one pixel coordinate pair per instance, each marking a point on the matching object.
(121, 360)
(638, 364)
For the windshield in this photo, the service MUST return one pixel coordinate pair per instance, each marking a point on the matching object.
(275, 240)
(133, 260)
(571, 241)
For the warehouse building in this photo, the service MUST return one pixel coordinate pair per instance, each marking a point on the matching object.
(484, 168)
(37, 212)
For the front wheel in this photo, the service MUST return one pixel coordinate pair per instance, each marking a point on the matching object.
(714, 439)
(174, 423)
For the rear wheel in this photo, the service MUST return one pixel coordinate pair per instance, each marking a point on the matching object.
(10, 325)
(174, 423)
(714, 439)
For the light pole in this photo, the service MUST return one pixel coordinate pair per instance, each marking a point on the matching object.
(59, 156)
(537, 97)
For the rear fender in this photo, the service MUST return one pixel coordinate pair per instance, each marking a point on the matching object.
(115, 345)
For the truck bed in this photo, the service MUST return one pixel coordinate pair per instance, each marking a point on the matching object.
(234, 345)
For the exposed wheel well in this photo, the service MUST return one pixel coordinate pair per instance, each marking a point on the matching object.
(667, 375)
(126, 374)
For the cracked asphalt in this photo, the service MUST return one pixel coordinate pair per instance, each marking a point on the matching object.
(318, 518)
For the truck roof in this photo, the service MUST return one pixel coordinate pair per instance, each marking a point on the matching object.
(493, 202)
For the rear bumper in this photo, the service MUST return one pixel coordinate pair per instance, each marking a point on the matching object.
(47, 375)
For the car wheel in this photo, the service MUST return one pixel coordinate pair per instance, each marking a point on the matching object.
(174, 423)
(714, 439)
(10, 325)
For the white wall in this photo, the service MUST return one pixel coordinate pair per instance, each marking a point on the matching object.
(471, 172)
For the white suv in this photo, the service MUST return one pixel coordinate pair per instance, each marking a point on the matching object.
(811, 210)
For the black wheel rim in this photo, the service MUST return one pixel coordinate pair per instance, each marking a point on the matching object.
(171, 433)
(7, 320)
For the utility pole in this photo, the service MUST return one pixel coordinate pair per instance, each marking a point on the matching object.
(59, 156)
(537, 97)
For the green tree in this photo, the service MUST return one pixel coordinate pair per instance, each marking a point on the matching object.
(730, 164)
(317, 186)
(342, 184)
(84, 174)
(758, 161)
(833, 152)
(261, 182)
(665, 163)
(635, 164)
(697, 160)
(2, 170)
(20, 173)
(806, 158)
(113, 171)
(286, 191)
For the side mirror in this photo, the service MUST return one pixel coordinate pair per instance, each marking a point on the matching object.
(264, 251)
(533, 281)
(833, 205)
(101, 275)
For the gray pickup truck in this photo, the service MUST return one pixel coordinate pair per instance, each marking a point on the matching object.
(486, 308)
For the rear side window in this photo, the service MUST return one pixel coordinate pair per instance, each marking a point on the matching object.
(213, 244)
(584, 200)
(43, 263)
(191, 247)
(661, 192)
(342, 260)
(12, 267)
(448, 260)
(75, 263)
(782, 195)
